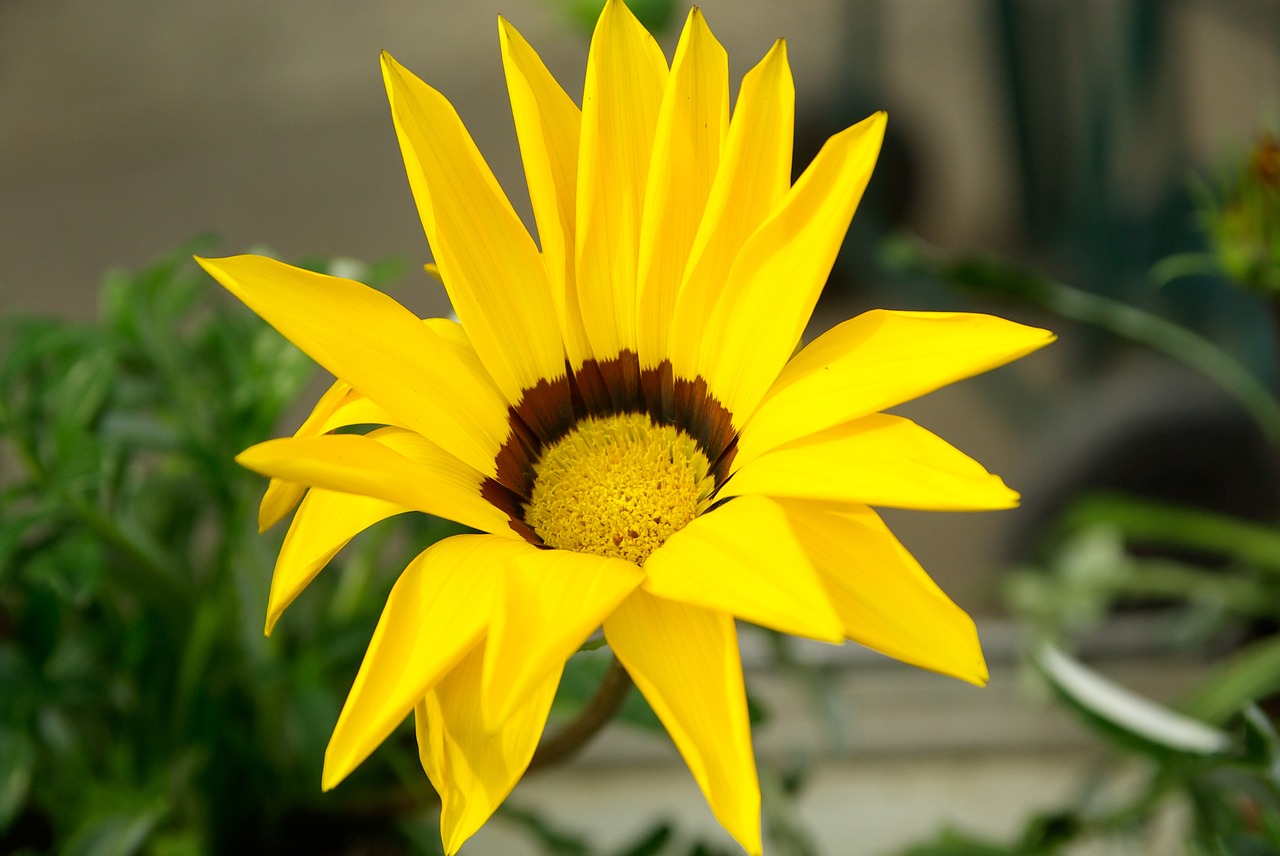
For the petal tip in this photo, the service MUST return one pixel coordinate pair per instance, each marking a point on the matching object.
(330, 778)
(250, 460)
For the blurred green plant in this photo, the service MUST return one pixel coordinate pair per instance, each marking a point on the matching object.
(143, 711)
(1213, 764)
(1240, 213)
(657, 16)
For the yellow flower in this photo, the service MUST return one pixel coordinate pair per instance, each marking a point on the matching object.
(619, 414)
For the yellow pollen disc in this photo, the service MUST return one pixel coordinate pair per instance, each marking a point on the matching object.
(618, 486)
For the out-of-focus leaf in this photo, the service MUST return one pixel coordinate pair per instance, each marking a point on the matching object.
(952, 843)
(784, 829)
(554, 841)
(122, 834)
(1124, 716)
(17, 766)
(702, 848)
(1248, 675)
(989, 276)
(1259, 743)
(655, 15)
(650, 843)
(1150, 522)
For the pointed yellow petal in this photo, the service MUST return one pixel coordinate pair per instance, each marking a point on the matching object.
(278, 499)
(325, 522)
(357, 410)
(743, 559)
(685, 660)
(756, 324)
(490, 266)
(473, 767)
(875, 361)
(884, 597)
(390, 464)
(548, 124)
(549, 602)
(348, 407)
(753, 177)
(437, 611)
(373, 343)
(281, 496)
(686, 151)
(877, 460)
(626, 73)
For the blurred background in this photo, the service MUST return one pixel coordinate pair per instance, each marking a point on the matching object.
(1054, 162)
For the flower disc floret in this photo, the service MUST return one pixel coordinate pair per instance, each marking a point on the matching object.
(618, 486)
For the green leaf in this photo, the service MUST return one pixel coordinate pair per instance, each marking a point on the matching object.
(553, 840)
(953, 843)
(1145, 521)
(989, 276)
(17, 768)
(1124, 716)
(122, 834)
(1248, 675)
(650, 843)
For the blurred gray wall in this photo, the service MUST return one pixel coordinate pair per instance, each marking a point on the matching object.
(127, 127)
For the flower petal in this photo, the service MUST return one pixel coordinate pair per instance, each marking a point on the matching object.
(473, 767)
(756, 325)
(885, 599)
(875, 361)
(390, 464)
(278, 499)
(490, 266)
(339, 407)
(626, 73)
(325, 522)
(743, 559)
(437, 611)
(685, 661)
(877, 460)
(753, 177)
(373, 343)
(549, 602)
(548, 124)
(281, 496)
(692, 123)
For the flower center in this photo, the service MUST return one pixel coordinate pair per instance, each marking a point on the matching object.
(618, 486)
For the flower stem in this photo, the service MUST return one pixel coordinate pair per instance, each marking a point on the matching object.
(597, 713)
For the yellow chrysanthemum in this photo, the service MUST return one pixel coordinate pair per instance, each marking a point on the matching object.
(619, 413)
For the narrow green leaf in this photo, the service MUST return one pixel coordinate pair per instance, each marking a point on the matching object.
(1123, 715)
(1248, 675)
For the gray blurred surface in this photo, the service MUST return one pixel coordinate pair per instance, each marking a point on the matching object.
(129, 126)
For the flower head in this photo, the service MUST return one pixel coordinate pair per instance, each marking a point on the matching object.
(619, 414)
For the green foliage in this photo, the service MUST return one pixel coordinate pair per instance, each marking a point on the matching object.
(986, 276)
(143, 710)
(656, 15)
(1243, 218)
(1218, 756)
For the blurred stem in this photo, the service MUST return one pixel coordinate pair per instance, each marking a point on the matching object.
(597, 713)
(993, 277)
